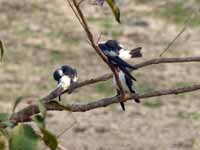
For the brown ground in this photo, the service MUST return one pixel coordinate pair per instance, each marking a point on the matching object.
(40, 35)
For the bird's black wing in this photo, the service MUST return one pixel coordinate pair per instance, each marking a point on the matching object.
(127, 73)
(122, 65)
(118, 61)
(129, 83)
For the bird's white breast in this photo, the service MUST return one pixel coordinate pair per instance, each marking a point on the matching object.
(123, 82)
(65, 82)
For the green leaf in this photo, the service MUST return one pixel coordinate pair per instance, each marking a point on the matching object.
(1, 49)
(2, 142)
(42, 108)
(4, 132)
(16, 103)
(7, 123)
(23, 137)
(39, 120)
(49, 139)
(4, 116)
(115, 9)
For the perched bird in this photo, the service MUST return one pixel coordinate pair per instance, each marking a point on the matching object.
(116, 54)
(65, 76)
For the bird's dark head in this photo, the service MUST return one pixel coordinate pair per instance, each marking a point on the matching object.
(58, 73)
(113, 44)
(69, 71)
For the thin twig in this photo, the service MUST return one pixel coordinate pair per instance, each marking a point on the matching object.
(81, 1)
(77, 16)
(99, 38)
(68, 128)
(173, 41)
(177, 36)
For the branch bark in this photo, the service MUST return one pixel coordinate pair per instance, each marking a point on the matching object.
(25, 114)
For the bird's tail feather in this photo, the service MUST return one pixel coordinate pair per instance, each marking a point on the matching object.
(136, 52)
(122, 106)
(137, 100)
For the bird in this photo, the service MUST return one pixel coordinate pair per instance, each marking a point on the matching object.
(65, 76)
(116, 54)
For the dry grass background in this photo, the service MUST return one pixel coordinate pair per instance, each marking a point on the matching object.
(40, 35)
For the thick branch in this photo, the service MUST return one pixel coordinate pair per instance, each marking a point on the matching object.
(25, 114)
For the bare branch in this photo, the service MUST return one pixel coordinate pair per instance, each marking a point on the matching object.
(172, 42)
(25, 114)
(79, 3)
(186, 24)
(77, 16)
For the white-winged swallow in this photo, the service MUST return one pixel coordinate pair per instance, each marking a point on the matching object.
(65, 76)
(116, 54)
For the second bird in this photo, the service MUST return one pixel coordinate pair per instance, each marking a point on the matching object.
(116, 53)
(65, 76)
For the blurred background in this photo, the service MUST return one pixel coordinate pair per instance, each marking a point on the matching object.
(41, 35)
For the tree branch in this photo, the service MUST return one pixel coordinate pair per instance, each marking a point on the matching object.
(25, 114)
(59, 91)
